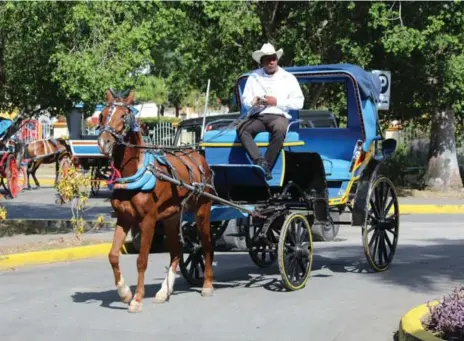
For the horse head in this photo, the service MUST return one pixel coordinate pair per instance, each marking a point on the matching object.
(117, 120)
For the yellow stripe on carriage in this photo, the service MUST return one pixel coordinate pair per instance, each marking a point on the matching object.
(259, 144)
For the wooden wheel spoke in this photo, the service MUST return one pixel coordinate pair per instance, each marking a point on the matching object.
(376, 244)
(387, 209)
(374, 209)
(391, 230)
(188, 260)
(384, 248)
(302, 266)
(202, 264)
(387, 239)
(373, 238)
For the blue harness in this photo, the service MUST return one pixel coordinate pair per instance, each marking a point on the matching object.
(145, 177)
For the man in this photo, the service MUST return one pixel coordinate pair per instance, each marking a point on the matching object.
(273, 92)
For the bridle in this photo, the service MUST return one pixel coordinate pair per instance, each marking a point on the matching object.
(130, 123)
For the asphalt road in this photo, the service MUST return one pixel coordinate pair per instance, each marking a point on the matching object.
(77, 300)
(41, 204)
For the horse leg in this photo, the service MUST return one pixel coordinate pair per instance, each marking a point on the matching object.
(34, 169)
(30, 165)
(57, 169)
(120, 234)
(147, 229)
(202, 219)
(171, 230)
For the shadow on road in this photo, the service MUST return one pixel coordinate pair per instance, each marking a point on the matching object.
(417, 267)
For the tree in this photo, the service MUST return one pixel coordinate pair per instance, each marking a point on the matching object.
(29, 31)
(428, 45)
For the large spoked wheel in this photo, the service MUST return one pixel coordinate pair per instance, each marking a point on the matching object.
(295, 252)
(263, 251)
(380, 231)
(192, 260)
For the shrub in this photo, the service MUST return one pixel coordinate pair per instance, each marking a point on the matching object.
(446, 319)
(74, 187)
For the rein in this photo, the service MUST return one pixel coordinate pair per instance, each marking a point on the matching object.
(131, 124)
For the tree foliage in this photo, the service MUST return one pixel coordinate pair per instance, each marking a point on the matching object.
(56, 54)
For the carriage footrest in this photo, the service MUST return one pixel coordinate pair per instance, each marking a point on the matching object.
(221, 213)
(239, 174)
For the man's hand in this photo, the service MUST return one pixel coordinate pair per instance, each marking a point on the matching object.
(269, 100)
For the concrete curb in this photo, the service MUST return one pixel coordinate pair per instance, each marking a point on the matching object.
(411, 328)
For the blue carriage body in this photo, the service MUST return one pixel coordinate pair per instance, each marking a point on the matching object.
(5, 124)
(335, 146)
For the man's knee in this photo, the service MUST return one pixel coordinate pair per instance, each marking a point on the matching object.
(280, 129)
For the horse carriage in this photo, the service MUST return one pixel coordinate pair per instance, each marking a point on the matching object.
(320, 173)
(13, 175)
(83, 152)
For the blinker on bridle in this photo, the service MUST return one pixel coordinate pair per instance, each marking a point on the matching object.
(129, 120)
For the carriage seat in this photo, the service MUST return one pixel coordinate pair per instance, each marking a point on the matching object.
(229, 136)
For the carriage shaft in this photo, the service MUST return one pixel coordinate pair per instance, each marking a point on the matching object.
(208, 195)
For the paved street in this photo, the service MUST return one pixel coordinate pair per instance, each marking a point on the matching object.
(77, 300)
(41, 204)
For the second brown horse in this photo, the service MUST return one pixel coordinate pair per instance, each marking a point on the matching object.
(44, 152)
(137, 208)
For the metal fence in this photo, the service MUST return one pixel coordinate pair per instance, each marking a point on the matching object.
(162, 133)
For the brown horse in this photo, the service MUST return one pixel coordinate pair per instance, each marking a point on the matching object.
(163, 201)
(44, 152)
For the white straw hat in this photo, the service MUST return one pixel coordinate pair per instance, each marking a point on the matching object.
(266, 50)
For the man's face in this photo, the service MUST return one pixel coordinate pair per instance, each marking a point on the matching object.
(269, 63)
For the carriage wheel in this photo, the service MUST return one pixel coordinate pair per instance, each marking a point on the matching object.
(192, 260)
(12, 176)
(380, 231)
(263, 252)
(295, 251)
(22, 178)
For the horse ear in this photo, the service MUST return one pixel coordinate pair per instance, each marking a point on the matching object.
(109, 96)
(130, 98)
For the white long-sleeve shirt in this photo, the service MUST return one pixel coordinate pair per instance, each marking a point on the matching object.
(282, 85)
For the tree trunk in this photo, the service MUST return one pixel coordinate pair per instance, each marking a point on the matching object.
(443, 169)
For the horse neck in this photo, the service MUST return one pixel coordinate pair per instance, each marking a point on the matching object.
(127, 159)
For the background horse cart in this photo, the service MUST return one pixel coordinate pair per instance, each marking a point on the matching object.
(320, 173)
(13, 175)
(84, 153)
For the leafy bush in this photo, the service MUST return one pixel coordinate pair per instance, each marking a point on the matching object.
(406, 163)
(446, 319)
(74, 187)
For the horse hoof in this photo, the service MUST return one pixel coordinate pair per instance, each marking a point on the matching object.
(135, 307)
(206, 292)
(161, 298)
(127, 298)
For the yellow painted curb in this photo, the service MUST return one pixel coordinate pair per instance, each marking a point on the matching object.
(411, 328)
(52, 256)
(431, 209)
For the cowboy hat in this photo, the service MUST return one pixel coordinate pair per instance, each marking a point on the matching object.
(266, 50)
